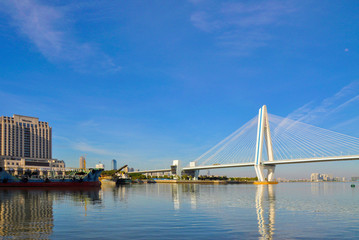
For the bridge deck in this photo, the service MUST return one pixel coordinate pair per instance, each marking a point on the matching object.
(278, 162)
(316, 159)
(251, 164)
(152, 171)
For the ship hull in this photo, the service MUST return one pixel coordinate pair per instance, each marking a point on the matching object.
(75, 179)
(123, 181)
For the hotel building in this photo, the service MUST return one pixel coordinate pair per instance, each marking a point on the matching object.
(26, 143)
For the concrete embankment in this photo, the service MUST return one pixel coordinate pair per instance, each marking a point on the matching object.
(201, 181)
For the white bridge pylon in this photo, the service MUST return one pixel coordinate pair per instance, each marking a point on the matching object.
(263, 134)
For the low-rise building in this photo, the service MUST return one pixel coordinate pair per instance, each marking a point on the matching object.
(100, 165)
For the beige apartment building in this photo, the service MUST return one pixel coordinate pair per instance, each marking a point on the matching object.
(26, 142)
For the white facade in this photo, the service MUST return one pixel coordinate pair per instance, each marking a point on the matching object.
(100, 165)
(26, 143)
(25, 137)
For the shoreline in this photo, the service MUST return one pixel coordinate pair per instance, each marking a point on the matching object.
(202, 181)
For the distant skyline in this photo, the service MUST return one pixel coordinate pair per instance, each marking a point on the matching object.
(147, 82)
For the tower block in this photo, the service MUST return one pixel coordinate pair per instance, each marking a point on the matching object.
(263, 134)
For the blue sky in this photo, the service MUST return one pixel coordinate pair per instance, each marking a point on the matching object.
(146, 82)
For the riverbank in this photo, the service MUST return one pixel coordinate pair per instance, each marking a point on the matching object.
(201, 181)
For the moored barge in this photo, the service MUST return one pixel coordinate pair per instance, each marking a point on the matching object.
(89, 178)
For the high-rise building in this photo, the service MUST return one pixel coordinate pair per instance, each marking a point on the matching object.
(23, 136)
(26, 142)
(114, 164)
(82, 162)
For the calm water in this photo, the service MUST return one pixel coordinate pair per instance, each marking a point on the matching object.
(183, 211)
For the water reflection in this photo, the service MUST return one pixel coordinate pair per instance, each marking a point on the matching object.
(120, 192)
(265, 206)
(28, 213)
(264, 201)
(156, 211)
(189, 190)
(92, 197)
(261, 198)
(175, 196)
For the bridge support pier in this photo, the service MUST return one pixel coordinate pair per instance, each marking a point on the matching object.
(196, 174)
(260, 173)
(270, 173)
(192, 173)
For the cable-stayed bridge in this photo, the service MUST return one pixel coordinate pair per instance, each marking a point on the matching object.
(268, 140)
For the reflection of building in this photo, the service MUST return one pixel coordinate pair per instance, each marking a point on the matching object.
(26, 143)
(175, 196)
(26, 214)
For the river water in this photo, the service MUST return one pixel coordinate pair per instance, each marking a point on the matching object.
(183, 211)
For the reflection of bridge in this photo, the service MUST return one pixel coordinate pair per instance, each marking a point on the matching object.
(290, 142)
(265, 203)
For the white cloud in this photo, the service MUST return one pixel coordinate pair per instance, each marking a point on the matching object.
(200, 20)
(48, 28)
(352, 121)
(313, 113)
(85, 147)
(256, 13)
(89, 123)
(241, 27)
(345, 104)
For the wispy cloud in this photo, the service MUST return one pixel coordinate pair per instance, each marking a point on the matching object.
(353, 121)
(48, 28)
(87, 148)
(242, 27)
(251, 14)
(316, 112)
(89, 124)
(202, 21)
(20, 104)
